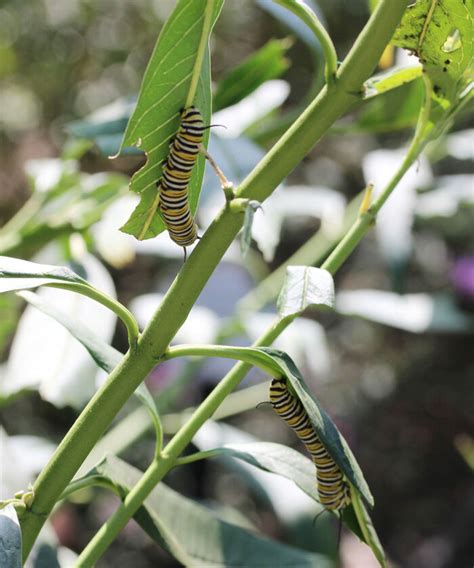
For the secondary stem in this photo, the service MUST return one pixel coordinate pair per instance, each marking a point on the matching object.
(311, 20)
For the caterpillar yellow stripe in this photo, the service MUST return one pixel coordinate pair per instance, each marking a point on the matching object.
(333, 489)
(174, 183)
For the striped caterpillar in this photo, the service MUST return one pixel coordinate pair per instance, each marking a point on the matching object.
(333, 490)
(174, 183)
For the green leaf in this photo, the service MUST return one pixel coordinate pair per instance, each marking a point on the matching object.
(274, 458)
(195, 537)
(391, 79)
(246, 236)
(280, 460)
(106, 357)
(439, 32)
(289, 463)
(279, 365)
(10, 540)
(327, 431)
(305, 286)
(267, 63)
(166, 88)
(16, 274)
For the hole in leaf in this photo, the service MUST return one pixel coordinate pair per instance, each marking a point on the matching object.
(453, 41)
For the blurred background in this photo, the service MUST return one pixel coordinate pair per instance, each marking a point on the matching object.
(392, 363)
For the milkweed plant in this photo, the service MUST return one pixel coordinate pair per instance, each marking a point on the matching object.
(177, 103)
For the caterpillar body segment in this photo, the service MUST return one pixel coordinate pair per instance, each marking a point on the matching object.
(333, 489)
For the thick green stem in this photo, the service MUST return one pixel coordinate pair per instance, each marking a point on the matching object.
(159, 468)
(331, 103)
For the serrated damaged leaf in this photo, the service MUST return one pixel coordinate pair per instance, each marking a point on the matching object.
(439, 32)
(163, 93)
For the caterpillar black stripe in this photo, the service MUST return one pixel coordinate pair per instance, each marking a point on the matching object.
(333, 490)
(177, 170)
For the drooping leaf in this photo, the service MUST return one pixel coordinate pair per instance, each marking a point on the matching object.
(195, 536)
(164, 91)
(279, 365)
(10, 538)
(439, 32)
(62, 371)
(305, 286)
(106, 357)
(267, 63)
(17, 274)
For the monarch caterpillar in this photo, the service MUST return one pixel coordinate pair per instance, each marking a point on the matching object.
(177, 170)
(333, 490)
